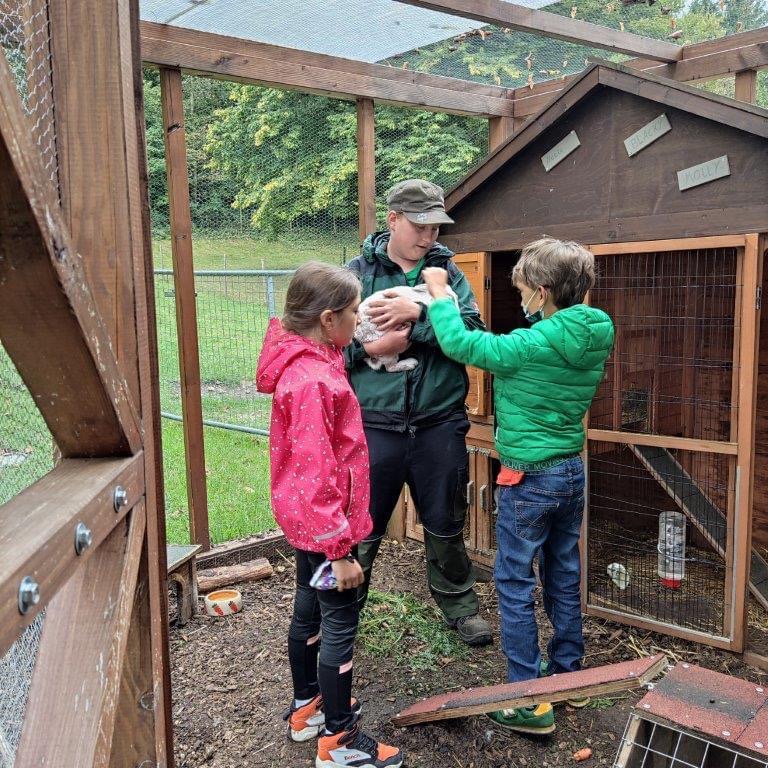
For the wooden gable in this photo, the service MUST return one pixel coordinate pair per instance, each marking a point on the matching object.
(600, 194)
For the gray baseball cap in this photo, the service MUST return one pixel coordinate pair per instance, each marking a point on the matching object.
(419, 201)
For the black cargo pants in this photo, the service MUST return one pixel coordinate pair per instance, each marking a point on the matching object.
(433, 462)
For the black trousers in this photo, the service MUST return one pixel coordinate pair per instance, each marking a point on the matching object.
(334, 616)
(433, 463)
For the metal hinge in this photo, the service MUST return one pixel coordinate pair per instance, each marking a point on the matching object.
(487, 283)
(759, 297)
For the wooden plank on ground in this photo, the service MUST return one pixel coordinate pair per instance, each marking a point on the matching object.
(513, 16)
(75, 686)
(37, 529)
(597, 681)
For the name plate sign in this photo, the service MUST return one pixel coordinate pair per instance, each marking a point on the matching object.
(700, 174)
(560, 151)
(647, 135)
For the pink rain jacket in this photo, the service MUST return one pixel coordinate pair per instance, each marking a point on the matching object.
(318, 452)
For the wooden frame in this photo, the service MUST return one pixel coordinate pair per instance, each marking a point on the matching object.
(100, 695)
(512, 16)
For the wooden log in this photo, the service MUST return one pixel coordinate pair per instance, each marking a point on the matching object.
(233, 574)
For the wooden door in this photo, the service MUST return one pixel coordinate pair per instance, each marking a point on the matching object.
(475, 267)
(671, 432)
(77, 321)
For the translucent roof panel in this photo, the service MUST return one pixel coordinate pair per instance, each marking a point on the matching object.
(366, 30)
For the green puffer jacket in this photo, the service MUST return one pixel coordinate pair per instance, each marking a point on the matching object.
(434, 391)
(545, 378)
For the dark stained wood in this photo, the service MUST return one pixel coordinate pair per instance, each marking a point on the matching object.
(596, 681)
(186, 311)
(499, 130)
(72, 373)
(74, 691)
(366, 167)
(599, 194)
(37, 529)
(714, 65)
(251, 62)
(507, 14)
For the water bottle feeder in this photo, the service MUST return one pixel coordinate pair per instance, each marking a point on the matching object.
(671, 549)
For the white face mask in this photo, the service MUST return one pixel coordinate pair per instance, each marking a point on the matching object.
(533, 317)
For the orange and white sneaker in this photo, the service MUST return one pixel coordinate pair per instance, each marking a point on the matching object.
(305, 723)
(355, 749)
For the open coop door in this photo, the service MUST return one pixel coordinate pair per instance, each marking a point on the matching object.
(82, 555)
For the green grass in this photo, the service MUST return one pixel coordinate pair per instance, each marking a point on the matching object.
(237, 471)
(400, 627)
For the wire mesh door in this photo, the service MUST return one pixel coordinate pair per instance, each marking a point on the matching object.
(669, 449)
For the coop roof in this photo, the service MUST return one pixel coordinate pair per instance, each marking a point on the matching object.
(366, 30)
(596, 191)
(721, 109)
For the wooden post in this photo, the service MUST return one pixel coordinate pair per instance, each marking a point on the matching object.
(746, 85)
(186, 314)
(499, 130)
(366, 167)
(745, 460)
(397, 523)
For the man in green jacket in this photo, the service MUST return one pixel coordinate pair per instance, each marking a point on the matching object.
(416, 421)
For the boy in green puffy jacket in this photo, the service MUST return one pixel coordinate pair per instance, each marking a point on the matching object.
(545, 379)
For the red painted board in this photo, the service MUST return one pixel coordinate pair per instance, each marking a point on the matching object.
(609, 678)
(755, 736)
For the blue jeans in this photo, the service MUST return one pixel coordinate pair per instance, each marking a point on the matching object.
(542, 513)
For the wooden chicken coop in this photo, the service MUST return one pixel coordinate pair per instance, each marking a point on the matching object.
(668, 186)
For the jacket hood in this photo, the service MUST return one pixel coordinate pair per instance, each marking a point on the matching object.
(581, 335)
(281, 348)
(375, 247)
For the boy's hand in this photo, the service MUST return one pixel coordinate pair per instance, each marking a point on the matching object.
(436, 280)
(393, 311)
(348, 574)
(391, 343)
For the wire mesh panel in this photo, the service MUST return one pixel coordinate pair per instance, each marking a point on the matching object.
(656, 538)
(660, 512)
(671, 372)
(25, 41)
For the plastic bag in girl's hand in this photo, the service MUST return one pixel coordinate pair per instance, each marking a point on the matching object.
(323, 577)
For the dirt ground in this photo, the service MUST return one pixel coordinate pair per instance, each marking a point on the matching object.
(231, 684)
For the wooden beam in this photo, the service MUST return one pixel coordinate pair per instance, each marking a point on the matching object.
(62, 349)
(186, 313)
(156, 723)
(37, 529)
(366, 167)
(499, 130)
(746, 86)
(700, 61)
(231, 58)
(70, 714)
(523, 19)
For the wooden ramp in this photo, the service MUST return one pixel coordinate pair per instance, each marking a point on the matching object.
(598, 681)
(702, 513)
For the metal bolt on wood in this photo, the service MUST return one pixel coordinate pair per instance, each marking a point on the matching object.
(147, 701)
(29, 594)
(83, 538)
(120, 498)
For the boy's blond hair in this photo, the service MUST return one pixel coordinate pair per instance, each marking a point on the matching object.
(566, 268)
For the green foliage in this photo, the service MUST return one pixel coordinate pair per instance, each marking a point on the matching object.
(400, 627)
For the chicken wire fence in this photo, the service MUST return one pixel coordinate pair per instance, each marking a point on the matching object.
(26, 445)
(273, 184)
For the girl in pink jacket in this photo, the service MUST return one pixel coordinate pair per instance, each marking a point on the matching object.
(320, 495)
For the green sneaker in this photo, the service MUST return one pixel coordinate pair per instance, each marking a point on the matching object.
(537, 721)
(578, 702)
